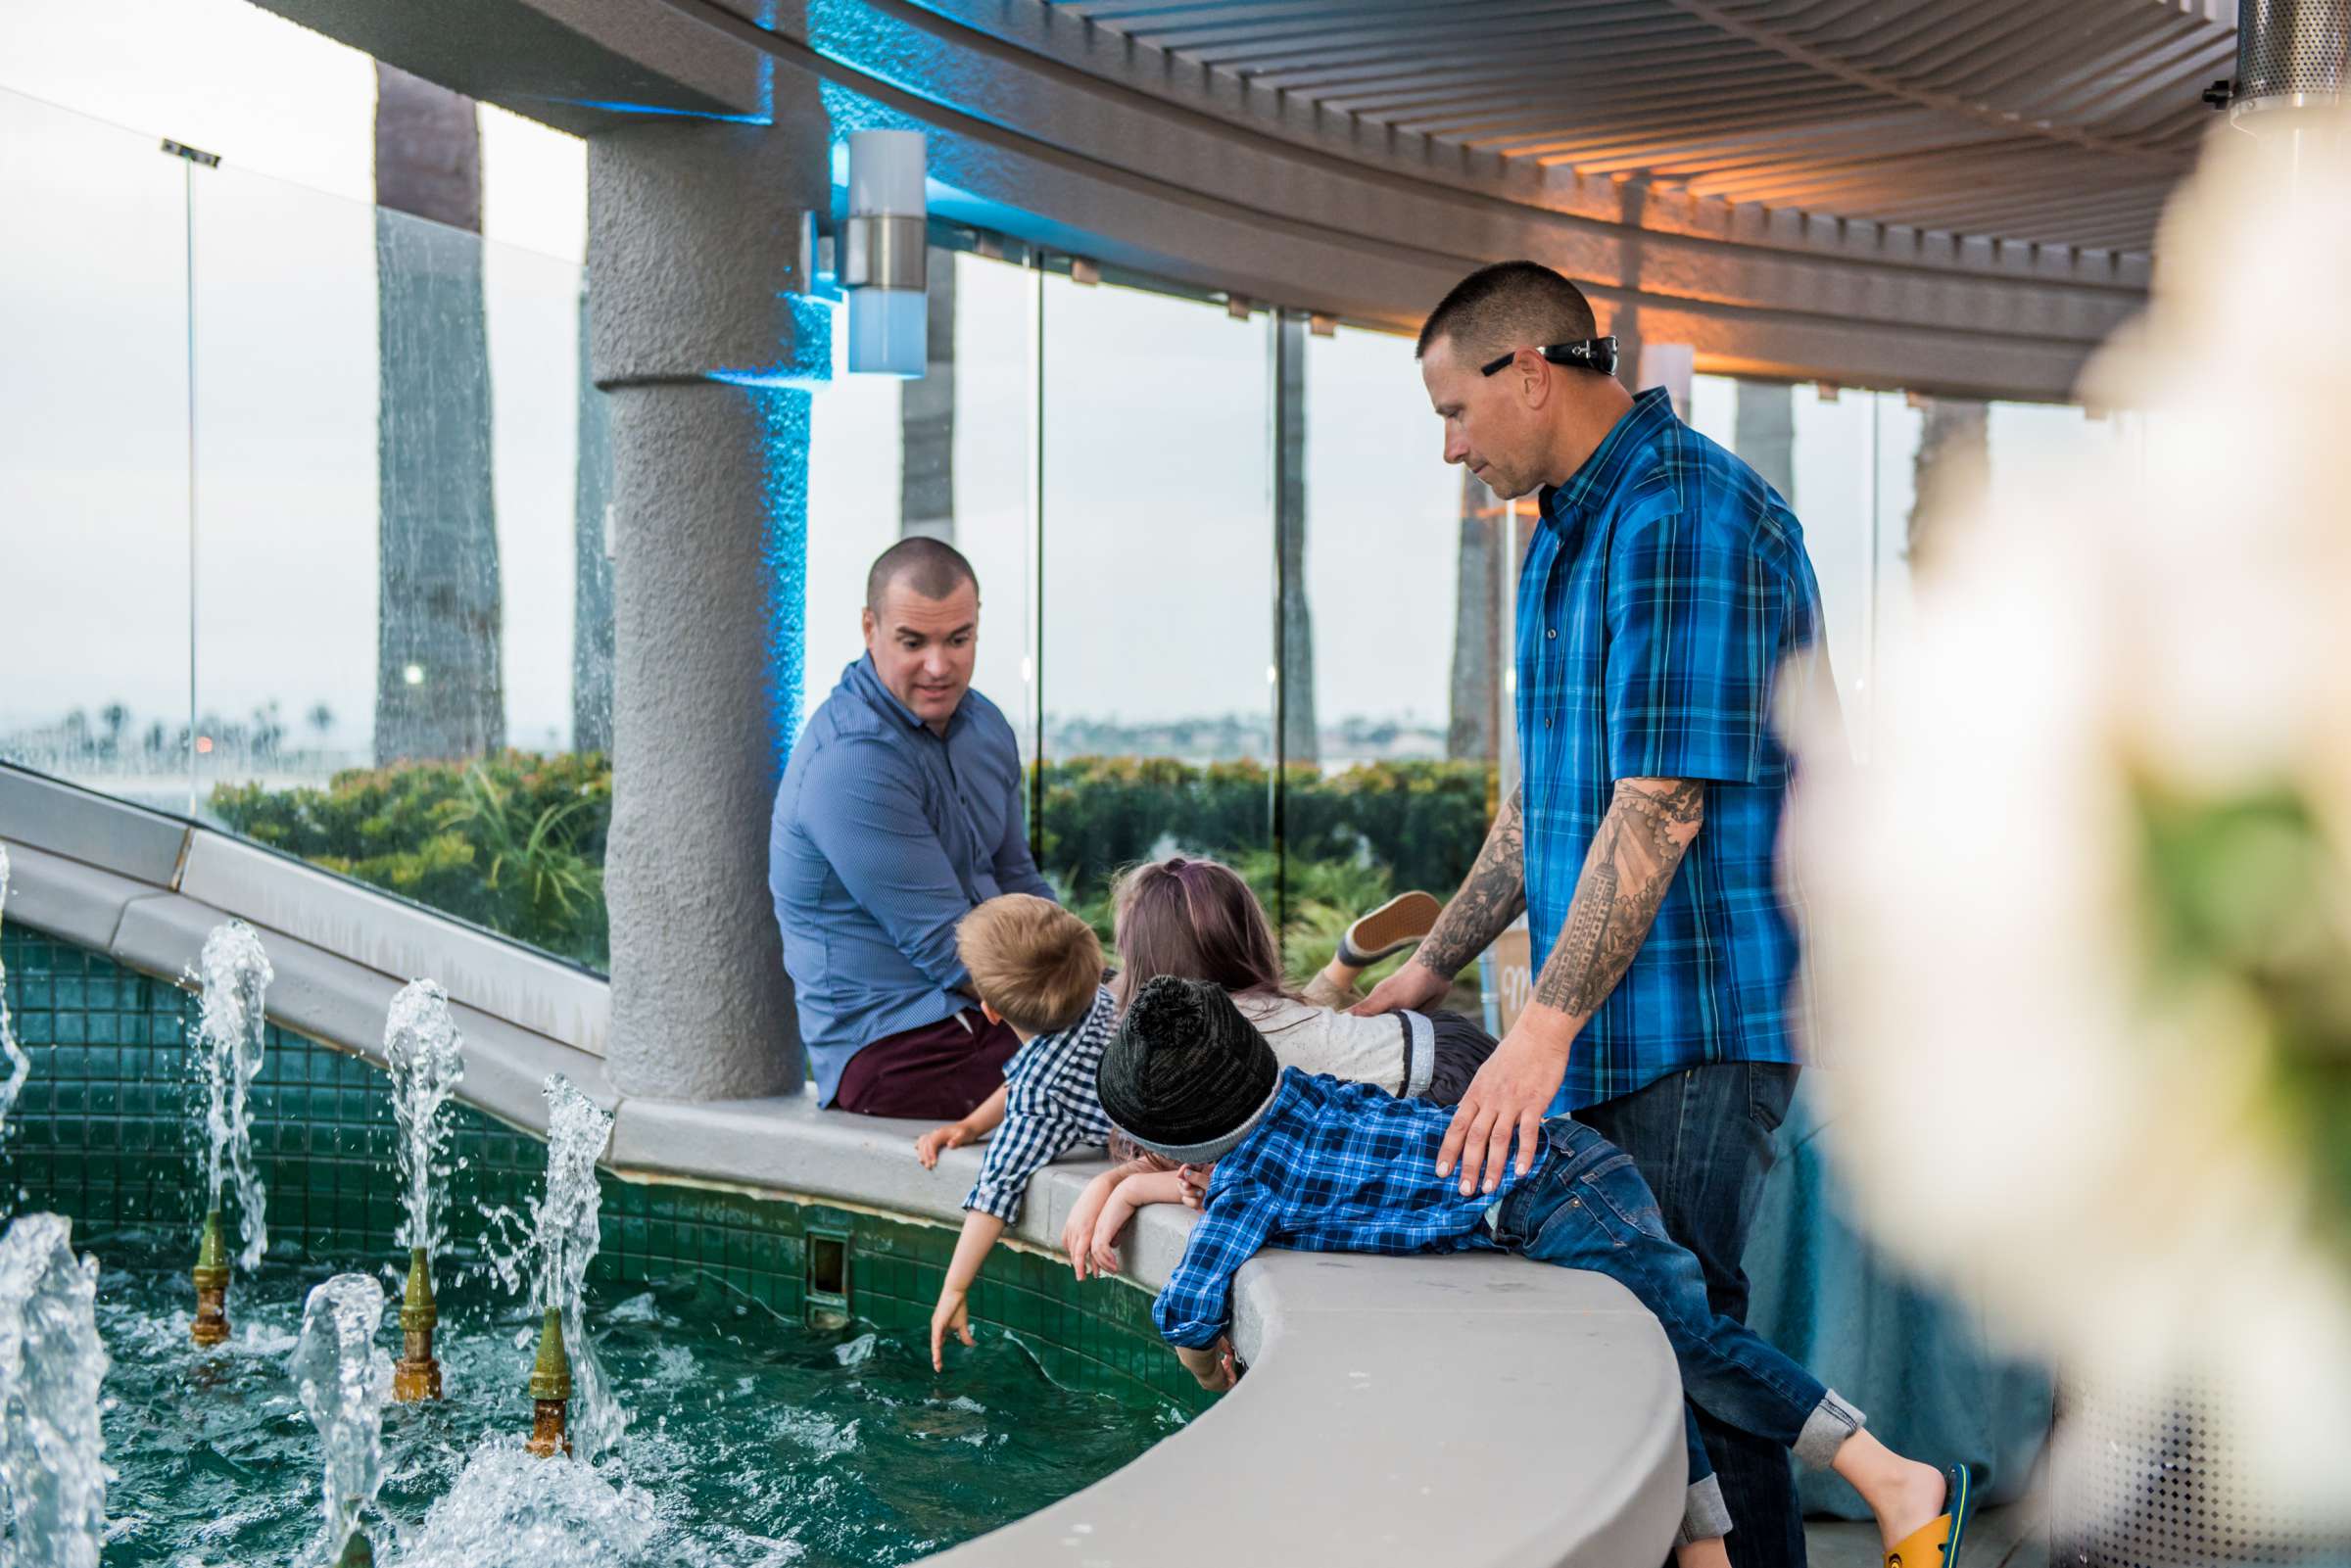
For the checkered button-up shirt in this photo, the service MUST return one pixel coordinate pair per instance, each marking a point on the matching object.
(1659, 602)
(1050, 1109)
(1330, 1167)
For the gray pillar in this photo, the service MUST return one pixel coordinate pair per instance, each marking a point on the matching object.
(590, 565)
(705, 341)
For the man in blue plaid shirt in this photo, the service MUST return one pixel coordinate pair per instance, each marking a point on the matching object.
(1664, 602)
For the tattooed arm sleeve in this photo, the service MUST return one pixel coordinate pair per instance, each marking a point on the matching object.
(1491, 896)
(1650, 825)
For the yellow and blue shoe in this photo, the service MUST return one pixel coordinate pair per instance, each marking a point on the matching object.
(1935, 1544)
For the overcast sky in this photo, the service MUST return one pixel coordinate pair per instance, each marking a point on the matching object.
(1155, 485)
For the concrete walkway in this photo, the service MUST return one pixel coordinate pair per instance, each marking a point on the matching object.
(2012, 1537)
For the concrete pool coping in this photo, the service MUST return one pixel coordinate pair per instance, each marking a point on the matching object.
(1475, 1409)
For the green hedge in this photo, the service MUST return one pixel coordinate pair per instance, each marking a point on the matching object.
(1422, 820)
(515, 843)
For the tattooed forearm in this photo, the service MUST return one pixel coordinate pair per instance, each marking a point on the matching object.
(1649, 828)
(1491, 896)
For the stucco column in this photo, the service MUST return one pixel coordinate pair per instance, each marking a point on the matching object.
(705, 341)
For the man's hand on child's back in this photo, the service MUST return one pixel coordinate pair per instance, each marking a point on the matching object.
(951, 1312)
(1413, 986)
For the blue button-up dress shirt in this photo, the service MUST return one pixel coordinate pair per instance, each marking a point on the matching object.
(884, 836)
(1664, 600)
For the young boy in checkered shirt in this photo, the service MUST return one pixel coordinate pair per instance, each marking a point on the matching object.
(1039, 968)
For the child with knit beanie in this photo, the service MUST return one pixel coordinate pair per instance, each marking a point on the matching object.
(1313, 1164)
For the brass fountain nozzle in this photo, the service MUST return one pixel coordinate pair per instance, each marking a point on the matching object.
(417, 1376)
(356, 1554)
(210, 1276)
(550, 1391)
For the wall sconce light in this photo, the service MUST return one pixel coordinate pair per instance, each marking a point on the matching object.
(882, 252)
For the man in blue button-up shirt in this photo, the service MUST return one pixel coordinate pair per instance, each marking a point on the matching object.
(899, 813)
(1664, 603)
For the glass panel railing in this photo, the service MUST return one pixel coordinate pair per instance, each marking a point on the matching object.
(1158, 557)
(401, 625)
(1407, 570)
(886, 460)
(1818, 449)
(94, 475)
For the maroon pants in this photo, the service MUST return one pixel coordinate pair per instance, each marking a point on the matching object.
(939, 1072)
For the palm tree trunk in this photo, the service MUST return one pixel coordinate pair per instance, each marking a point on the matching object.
(1301, 728)
(438, 631)
(1953, 465)
(1764, 433)
(1473, 733)
(926, 418)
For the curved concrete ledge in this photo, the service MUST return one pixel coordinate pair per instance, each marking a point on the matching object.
(1473, 1411)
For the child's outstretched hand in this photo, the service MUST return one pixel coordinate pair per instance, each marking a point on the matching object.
(1215, 1368)
(1105, 1242)
(1077, 1231)
(1195, 1184)
(927, 1147)
(951, 1312)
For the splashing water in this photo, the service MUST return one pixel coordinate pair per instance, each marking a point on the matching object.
(234, 973)
(342, 1378)
(427, 1057)
(19, 1064)
(51, 1366)
(511, 1510)
(554, 1257)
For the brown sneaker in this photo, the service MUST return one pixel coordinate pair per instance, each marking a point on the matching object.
(1390, 928)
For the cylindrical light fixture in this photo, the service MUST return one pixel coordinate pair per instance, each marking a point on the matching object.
(882, 262)
(2290, 54)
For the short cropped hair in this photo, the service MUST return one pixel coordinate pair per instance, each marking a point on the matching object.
(932, 567)
(1033, 961)
(1509, 305)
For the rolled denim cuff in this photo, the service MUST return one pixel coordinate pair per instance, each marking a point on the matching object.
(1830, 1422)
(1704, 1516)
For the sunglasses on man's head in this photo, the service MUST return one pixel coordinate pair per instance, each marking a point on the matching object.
(1592, 354)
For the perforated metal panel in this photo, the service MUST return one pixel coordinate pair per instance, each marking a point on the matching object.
(2286, 47)
(2153, 1478)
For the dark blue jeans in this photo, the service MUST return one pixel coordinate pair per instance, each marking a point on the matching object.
(1702, 1138)
(1587, 1207)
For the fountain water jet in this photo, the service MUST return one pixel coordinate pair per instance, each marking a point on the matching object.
(235, 973)
(52, 1464)
(19, 1064)
(556, 1256)
(427, 1057)
(342, 1379)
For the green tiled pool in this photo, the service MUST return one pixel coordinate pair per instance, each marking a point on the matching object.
(102, 1135)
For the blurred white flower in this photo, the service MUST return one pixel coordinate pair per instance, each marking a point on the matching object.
(2038, 1103)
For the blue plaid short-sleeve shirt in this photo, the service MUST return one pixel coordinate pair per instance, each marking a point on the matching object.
(1662, 596)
